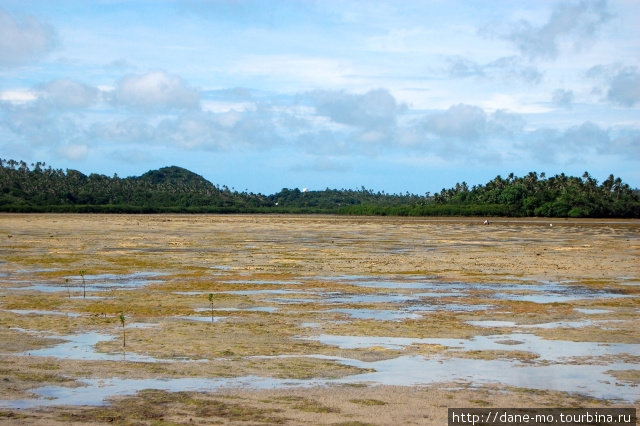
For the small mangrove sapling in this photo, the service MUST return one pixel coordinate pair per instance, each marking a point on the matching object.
(124, 333)
(84, 284)
(211, 302)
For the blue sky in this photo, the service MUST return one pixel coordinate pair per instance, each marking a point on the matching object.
(261, 95)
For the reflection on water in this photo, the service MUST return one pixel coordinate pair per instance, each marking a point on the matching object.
(97, 391)
(42, 312)
(377, 314)
(546, 350)
(98, 282)
(553, 364)
(82, 347)
(200, 318)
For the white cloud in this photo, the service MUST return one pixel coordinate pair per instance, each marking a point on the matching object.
(156, 90)
(372, 110)
(18, 96)
(66, 93)
(562, 98)
(624, 87)
(620, 83)
(24, 40)
(73, 151)
(458, 122)
(505, 68)
(570, 25)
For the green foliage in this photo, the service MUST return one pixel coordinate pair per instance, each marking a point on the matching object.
(124, 335)
(173, 189)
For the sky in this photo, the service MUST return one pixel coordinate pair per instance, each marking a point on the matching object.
(260, 95)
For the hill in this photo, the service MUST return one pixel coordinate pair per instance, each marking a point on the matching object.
(34, 188)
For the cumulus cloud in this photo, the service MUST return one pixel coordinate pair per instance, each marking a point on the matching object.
(156, 90)
(132, 129)
(73, 151)
(35, 124)
(193, 130)
(506, 68)
(374, 109)
(66, 93)
(24, 40)
(624, 87)
(571, 24)
(624, 142)
(458, 122)
(575, 143)
(562, 98)
(620, 83)
(461, 67)
(510, 67)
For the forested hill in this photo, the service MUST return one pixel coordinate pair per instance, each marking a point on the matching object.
(37, 188)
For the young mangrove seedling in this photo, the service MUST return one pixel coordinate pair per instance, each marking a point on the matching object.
(84, 284)
(211, 302)
(66, 283)
(124, 333)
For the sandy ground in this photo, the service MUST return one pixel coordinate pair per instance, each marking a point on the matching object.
(179, 259)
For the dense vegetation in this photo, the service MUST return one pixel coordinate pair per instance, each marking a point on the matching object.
(34, 188)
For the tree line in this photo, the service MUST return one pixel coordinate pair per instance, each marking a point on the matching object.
(38, 188)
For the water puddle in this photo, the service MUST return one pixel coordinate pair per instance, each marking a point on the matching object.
(97, 391)
(545, 325)
(377, 314)
(450, 307)
(591, 311)
(492, 323)
(263, 282)
(592, 380)
(537, 292)
(269, 309)
(547, 350)
(369, 298)
(82, 347)
(200, 318)
(42, 312)
(99, 282)
(589, 380)
(221, 267)
(255, 292)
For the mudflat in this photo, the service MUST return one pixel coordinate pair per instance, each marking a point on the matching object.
(312, 319)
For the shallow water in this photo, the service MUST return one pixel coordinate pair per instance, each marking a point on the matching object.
(269, 309)
(592, 380)
(554, 366)
(529, 291)
(256, 292)
(42, 312)
(200, 318)
(451, 307)
(589, 380)
(98, 282)
(263, 282)
(377, 314)
(547, 350)
(97, 391)
(82, 347)
(591, 311)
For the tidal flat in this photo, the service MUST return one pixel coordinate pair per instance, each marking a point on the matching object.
(268, 319)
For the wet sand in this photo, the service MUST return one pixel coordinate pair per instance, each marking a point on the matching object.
(288, 289)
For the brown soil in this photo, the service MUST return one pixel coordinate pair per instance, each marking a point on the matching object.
(203, 254)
